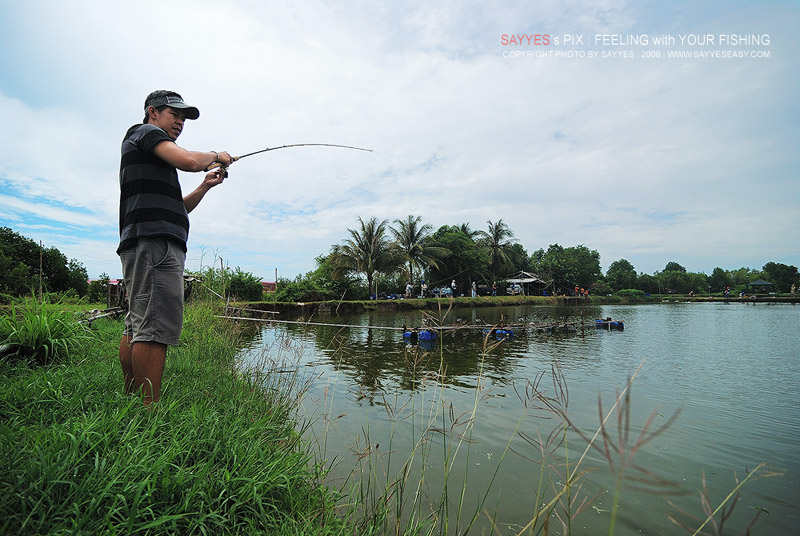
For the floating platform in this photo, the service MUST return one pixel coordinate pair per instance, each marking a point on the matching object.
(607, 323)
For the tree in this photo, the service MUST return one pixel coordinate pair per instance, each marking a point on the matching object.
(648, 283)
(497, 242)
(367, 251)
(673, 266)
(742, 276)
(621, 274)
(719, 280)
(412, 239)
(98, 289)
(519, 258)
(322, 277)
(465, 262)
(472, 234)
(57, 274)
(15, 277)
(784, 276)
(244, 286)
(567, 267)
(682, 281)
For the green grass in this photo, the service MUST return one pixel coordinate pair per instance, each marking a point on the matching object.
(219, 455)
(225, 451)
(43, 333)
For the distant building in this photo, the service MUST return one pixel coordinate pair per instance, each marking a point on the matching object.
(269, 287)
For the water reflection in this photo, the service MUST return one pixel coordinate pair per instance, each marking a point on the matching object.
(731, 368)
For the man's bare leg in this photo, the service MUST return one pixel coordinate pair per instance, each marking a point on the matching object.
(125, 346)
(147, 360)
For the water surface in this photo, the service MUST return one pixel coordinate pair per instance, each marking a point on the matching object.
(731, 370)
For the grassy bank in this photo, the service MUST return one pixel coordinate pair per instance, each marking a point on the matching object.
(218, 456)
(225, 451)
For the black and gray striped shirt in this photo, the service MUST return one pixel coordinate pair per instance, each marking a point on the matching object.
(150, 201)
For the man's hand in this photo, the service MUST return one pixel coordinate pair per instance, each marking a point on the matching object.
(215, 177)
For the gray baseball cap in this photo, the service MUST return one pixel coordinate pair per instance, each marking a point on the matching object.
(173, 101)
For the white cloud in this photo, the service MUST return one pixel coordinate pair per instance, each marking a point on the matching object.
(644, 159)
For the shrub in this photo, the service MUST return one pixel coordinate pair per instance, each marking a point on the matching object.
(244, 286)
(98, 289)
(301, 290)
(41, 333)
(631, 293)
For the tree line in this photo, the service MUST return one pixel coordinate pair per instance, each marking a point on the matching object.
(27, 267)
(378, 257)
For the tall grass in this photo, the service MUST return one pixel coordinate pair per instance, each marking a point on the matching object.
(220, 455)
(413, 478)
(43, 333)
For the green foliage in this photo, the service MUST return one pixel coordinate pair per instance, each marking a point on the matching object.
(719, 280)
(413, 240)
(302, 289)
(244, 286)
(673, 266)
(567, 267)
(347, 285)
(621, 274)
(392, 283)
(98, 289)
(320, 285)
(497, 241)
(15, 276)
(631, 293)
(520, 260)
(234, 284)
(467, 262)
(20, 259)
(782, 275)
(221, 454)
(42, 333)
(648, 283)
(681, 281)
(601, 288)
(367, 251)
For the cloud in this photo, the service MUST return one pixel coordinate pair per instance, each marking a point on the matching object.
(646, 158)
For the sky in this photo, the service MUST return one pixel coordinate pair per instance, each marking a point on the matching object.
(646, 130)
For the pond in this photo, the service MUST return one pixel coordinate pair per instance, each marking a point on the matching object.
(463, 411)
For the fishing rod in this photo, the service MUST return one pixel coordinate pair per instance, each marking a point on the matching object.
(236, 158)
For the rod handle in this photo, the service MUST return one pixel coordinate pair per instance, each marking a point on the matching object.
(215, 165)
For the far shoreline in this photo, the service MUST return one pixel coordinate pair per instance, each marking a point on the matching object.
(427, 304)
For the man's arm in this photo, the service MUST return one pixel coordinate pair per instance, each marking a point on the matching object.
(191, 200)
(192, 161)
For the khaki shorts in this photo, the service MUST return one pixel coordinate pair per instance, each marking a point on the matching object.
(153, 275)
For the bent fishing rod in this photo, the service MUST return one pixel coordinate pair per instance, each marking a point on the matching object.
(237, 158)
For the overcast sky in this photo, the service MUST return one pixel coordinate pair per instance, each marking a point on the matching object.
(652, 158)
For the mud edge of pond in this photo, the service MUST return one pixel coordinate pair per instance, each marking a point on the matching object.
(346, 307)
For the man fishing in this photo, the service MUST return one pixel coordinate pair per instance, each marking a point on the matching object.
(153, 228)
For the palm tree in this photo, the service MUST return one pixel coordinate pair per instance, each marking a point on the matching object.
(367, 251)
(497, 242)
(471, 233)
(411, 238)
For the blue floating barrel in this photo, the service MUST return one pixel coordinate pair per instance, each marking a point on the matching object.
(427, 335)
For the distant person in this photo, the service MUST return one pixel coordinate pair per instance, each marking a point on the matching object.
(423, 289)
(454, 288)
(474, 290)
(494, 288)
(154, 227)
(409, 289)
